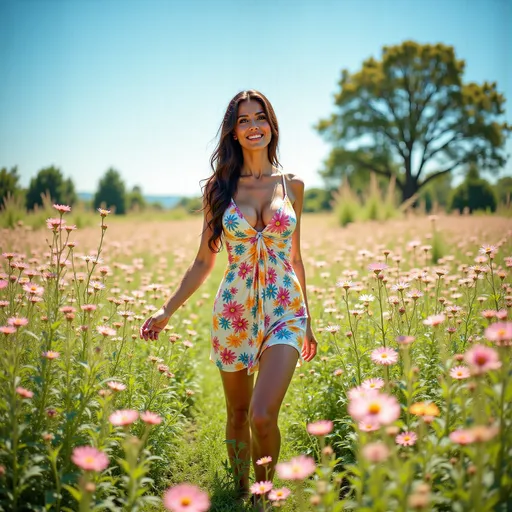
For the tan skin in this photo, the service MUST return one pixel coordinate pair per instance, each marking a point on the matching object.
(251, 408)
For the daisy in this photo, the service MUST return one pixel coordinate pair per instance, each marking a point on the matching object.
(261, 487)
(482, 359)
(500, 332)
(377, 407)
(406, 439)
(123, 417)
(150, 418)
(376, 383)
(89, 458)
(384, 356)
(375, 452)
(279, 494)
(186, 498)
(459, 372)
(62, 208)
(320, 428)
(298, 468)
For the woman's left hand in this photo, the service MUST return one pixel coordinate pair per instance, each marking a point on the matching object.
(309, 346)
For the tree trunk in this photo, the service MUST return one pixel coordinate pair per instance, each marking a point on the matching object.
(410, 187)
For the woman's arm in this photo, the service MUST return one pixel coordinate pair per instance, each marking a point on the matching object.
(297, 186)
(194, 276)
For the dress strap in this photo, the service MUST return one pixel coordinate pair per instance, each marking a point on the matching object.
(284, 184)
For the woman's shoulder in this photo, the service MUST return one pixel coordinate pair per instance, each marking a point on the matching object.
(295, 183)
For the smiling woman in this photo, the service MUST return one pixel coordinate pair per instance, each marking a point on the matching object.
(260, 317)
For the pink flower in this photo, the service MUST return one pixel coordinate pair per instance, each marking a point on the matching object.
(33, 289)
(385, 356)
(360, 392)
(232, 310)
(227, 356)
(377, 267)
(279, 223)
(376, 407)
(261, 487)
(461, 436)
(405, 340)
(89, 458)
(123, 417)
(279, 494)
(320, 428)
(264, 460)
(499, 332)
(106, 331)
(482, 359)
(376, 383)
(406, 439)
(3, 284)
(116, 386)
(459, 372)
(244, 270)
(24, 393)
(151, 418)
(434, 320)
(7, 329)
(375, 452)
(17, 322)
(54, 224)
(186, 498)
(298, 468)
(369, 426)
(89, 307)
(50, 354)
(283, 297)
(62, 208)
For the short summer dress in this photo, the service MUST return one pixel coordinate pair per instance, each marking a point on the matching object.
(259, 302)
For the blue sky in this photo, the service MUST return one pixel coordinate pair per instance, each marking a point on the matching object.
(142, 85)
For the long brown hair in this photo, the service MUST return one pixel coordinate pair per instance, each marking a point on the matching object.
(227, 160)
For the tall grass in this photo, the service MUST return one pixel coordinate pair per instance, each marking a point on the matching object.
(374, 204)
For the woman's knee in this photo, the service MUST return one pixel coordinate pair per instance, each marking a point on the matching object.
(262, 422)
(238, 417)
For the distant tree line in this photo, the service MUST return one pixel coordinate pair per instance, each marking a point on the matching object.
(111, 192)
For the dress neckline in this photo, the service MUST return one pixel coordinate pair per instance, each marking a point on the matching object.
(285, 197)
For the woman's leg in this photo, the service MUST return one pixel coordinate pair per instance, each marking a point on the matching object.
(238, 391)
(277, 364)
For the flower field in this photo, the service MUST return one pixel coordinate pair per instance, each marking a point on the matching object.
(408, 405)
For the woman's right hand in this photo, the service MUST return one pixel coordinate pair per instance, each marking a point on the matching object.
(152, 327)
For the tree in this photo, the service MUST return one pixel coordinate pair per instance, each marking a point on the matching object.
(503, 189)
(317, 199)
(135, 199)
(9, 183)
(410, 114)
(50, 181)
(111, 192)
(474, 193)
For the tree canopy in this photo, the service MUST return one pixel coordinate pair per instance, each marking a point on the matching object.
(410, 114)
(51, 181)
(9, 183)
(111, 192)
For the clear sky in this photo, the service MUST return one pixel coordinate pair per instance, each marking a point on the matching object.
(142, 85)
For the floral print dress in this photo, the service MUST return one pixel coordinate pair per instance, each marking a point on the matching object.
(259, 302)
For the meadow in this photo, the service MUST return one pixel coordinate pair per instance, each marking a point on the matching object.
(407, 406)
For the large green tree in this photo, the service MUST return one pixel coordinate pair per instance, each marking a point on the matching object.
(111, 192)
(9, 183)
(50, 181)
(410, 114)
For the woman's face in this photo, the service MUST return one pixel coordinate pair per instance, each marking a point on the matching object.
(252, 128)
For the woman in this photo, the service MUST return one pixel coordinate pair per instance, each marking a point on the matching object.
(261, 318)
